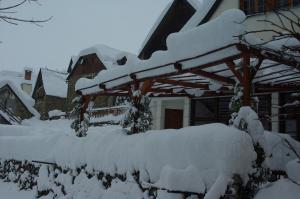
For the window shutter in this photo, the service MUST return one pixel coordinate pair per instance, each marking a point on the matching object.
(270, 4)
(256, 6)
(242, 5)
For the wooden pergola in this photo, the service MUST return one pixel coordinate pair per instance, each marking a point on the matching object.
(256, 69)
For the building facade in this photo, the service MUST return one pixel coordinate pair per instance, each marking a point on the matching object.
(187, 111)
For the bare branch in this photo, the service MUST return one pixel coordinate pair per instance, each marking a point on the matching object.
(13, 6)
(15, 20)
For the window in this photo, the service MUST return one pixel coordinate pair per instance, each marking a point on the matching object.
(216, 109)
(251, 7)
(289, 116)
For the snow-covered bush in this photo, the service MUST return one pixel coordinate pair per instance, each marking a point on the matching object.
(247, 120)
(138, 116)
(21, 172)
(80, 127)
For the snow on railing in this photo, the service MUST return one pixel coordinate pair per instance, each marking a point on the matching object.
(11, 116)
(108, 115)
(105, 111)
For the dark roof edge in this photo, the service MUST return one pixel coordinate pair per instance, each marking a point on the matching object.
(153, 33)
(211, 12)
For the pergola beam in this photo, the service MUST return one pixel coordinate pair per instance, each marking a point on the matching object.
(231, 65)
(182, 83)
(215, 77)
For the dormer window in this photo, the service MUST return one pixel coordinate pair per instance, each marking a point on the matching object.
(122, 61)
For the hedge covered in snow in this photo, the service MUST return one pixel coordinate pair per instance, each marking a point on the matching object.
(194, 160)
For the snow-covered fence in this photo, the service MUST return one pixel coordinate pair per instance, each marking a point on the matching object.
(107, 115)
(115, 110)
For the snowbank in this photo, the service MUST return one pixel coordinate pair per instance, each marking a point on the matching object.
(279, 150)
(56, 113)
(210, 150)
(280, 189)
(293, 170)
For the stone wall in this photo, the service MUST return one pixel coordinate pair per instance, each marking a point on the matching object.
(49, 103)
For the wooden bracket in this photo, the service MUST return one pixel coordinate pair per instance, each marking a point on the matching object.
(231, 65)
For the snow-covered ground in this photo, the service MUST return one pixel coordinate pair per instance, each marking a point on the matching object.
(10, 190)
(281, 189)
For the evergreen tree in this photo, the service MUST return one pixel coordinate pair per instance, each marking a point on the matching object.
(80, 127)
(138, 116)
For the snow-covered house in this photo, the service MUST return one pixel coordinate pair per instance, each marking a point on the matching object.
(23, 80)
(88, 63)
(15, 104)
(50, 91)
(182, 15)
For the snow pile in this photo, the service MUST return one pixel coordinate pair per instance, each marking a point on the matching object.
(194, 42)
(202, 8)
(54, 83)
(248, 120)
(199, 40)
(280, 189)
(56, 113)
(205, 151)
(188, 179)
(279, 149)
(293, 170)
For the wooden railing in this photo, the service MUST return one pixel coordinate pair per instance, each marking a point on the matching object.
(115, 111)
(10, 114)
(107, 115)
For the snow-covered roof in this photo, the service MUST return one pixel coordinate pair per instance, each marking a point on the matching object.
(202, 8)
(16, 77)
(194, 42)
(54, 83)
(107, 55)
(209, 46)
(24, 97)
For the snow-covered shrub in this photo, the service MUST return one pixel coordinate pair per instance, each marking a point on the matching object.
(139, 115)
(80, 127)
(247, 120)
(23, 173)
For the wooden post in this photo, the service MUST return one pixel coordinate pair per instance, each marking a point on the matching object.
(85, 102)
(246, 81)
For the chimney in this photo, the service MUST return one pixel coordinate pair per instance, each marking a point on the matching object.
(27, 73)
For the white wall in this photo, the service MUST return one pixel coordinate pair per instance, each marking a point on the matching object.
(158, 106)
(27, 88)
(251, 22)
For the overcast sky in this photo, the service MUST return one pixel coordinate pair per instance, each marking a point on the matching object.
(76, 24)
